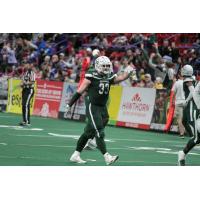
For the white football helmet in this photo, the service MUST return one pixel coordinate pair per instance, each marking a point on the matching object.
(103, 65)
(187, 71)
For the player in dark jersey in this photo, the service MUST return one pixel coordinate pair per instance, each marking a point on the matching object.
(87, 65)
(91, 143)
(97, 83)
(191, 112)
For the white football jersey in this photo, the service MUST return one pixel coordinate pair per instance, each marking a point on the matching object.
(196, 95)
(179, 92)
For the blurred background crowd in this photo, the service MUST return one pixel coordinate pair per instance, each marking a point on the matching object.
(156, 58)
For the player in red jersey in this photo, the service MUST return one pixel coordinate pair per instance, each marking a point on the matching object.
(85, 65)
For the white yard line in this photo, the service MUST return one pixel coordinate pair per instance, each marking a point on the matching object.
(140, 161)
(44, 145)
(39, 136)
(64, 135)
(14, 157)
(4, 144)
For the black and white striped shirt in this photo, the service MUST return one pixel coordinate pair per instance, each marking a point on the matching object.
(29, 76)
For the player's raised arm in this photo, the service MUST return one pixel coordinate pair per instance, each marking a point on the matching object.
(127, 72)
(79, 92)
(83, 86)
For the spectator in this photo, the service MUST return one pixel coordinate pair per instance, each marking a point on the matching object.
(158, 83)
(85, 63)
(141, 83)
(126, 64)
(62, 63)
(46, 63)
(100, 41)
(170, 72)
(165, 49)
(54, 67)
(121, 39)
(70, 60)
(116, 66)
(178, 101)
(141, 51)
(148, 83)
(10, 51)
(129, 55)
(136, 38)
(174, 52)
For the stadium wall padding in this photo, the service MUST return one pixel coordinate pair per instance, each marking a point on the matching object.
(134, 107)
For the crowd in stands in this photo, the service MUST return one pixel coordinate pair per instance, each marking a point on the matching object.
(156, 58)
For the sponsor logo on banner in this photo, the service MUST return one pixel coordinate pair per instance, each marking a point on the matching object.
(14, 103)
(77, 110)
(48, 97)
(136, 107)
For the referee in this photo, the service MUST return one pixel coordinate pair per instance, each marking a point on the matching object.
(28, 81)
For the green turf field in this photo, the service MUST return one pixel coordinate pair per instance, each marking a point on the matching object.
(50, 142)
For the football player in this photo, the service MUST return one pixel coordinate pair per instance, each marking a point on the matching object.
(91, 144)
(191, 112)
(97, 83)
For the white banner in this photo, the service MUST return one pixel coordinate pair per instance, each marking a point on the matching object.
(77, 110)
(136, 108)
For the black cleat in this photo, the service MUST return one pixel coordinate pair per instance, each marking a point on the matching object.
(181, 163)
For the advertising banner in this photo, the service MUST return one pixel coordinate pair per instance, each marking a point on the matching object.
(114, 103)
(136, 108)
(14, 103)
(161, 109)
(47, 98)
(77, 110)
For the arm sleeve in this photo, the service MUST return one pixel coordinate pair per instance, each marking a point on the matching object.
(75, 97)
